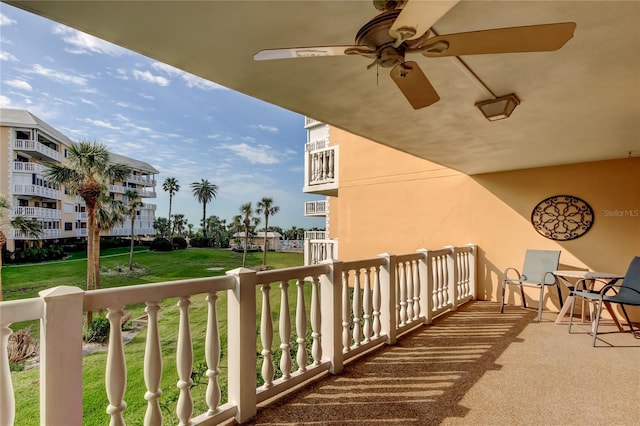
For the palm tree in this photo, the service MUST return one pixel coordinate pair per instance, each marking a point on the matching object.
(161, 225)
(109, 213)
(179, 223)
(171, 186)
(87, 169)
(247, 212)
(30, 228)
(266, 207)
(131, 206)
(204, 192)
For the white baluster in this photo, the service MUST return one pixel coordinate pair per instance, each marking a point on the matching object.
(416, 290)
(316, 347)
(346, 339)
(409, 277)
(152, 366)
(184, 363)
(301, 328)
(212, 354)
(266, 337)
(7, 398)
(116, 371)
(357, 309)
(285, 331)
(402, 282)
(367, 308)
(376, 302)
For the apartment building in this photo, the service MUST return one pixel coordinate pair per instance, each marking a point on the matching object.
(27, 144)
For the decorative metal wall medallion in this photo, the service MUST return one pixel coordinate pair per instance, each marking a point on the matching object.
(562, 217)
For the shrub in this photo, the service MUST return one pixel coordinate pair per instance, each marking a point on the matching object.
(160, 244)
(97, 331)
(179, 243)
(201, 242)
(21, 346)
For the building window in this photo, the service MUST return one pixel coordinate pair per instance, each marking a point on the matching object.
(68, 226)
(66, 153)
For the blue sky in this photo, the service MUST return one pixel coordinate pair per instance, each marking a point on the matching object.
(184, 126)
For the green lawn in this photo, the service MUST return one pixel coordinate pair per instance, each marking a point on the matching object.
(26, 281)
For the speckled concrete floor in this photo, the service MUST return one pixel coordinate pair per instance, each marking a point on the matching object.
(479, 367)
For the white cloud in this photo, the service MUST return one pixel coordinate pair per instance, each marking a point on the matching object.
(148, 77)
(260, 154)
(5, 102)
(19, 84)
(87, 101)
(101, 123)
(5, 20)
(6, 56)
(57, 75)
(249, 139)
(219, 137)
(265, 127)
(82, 43)
(192, 81)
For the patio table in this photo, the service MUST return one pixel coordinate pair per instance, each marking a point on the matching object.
(590, 277)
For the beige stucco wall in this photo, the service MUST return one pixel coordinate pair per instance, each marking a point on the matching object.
(393, 202)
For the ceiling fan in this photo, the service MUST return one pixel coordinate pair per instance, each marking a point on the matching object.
(404, 26)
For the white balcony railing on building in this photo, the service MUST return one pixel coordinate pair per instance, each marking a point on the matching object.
(315, 208)
(30, 167)
(81, 216)
(319, 250)
(45, 234)
(40, 191)
(81, 232)
(35, 146)
(321, 168)
(119, 189)
(353, 307)
(141, 180)
(37, 212)
(310, 122)
(148, 206)
(126, 231)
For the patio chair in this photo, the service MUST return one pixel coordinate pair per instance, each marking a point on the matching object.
(627, 293)
(537, 271)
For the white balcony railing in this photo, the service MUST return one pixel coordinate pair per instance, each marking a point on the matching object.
(45, 234)
(37, 212)
(315, 208)
(144, 193)
(321, 170)
(31, 167)
(35, 146)
(310, 122)
(141, 180)
(40, 191)
(319, 250)
(353, 307)
(148, 206)
(81, 232)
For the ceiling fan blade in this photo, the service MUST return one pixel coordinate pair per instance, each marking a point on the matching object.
(307, 52)
(534, 38)
(418, 16)
(414, 85)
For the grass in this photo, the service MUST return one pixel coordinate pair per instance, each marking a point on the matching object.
(182, 264)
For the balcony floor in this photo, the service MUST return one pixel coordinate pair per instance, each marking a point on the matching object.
(478, 367)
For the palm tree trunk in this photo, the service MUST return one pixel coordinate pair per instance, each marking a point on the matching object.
(133, 218)
(204, 217)
(246, 246)
(96, 258)
(170, 227)
(91, 225)
(266, 228)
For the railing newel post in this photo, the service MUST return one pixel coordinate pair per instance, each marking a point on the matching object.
(241, 323)
(331, 314)
(426, 290)
(61, 356)
(452, 277)
(388, 298)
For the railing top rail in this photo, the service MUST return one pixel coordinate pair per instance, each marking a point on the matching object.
(441, 252)
(408, 257)
(296, 272)
(363, 263)
(464, 249)
(120, 296)
(21, 310)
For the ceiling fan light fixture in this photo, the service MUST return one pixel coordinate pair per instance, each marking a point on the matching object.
(498, 108)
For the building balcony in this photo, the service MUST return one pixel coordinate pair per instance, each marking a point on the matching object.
(46, 234)
(321, 168)
(81, 216)
(37, 212)
(142, 180)
(143, 193)
(148, 206)
(315, 208)
(31, 146)
(310, 122)
(81, 232)
(30, 167)
(37, 190)
(344, 310)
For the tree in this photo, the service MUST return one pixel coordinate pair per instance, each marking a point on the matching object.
(204, 192)
(266, 207)
(109, 213)
(30, 228)
(161, 225)
(88, 168)
(171, 186)
(131, 205)
(246, 215)
(179, 224)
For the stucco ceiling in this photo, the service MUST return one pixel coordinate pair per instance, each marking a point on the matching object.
(580, 103)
